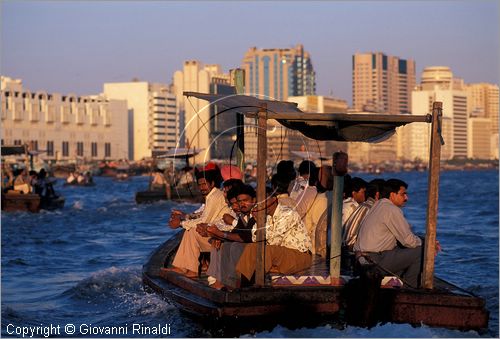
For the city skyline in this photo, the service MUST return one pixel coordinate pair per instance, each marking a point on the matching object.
(77, 47)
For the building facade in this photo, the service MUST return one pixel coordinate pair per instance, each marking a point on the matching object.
(438, 84)
(277, 73)
(152, 109)
(484, 103)
(67, 127)
(382, 84)
(197, 131)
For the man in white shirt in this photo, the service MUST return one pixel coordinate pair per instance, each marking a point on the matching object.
(186, 258)
(381, 230)
(355, 194)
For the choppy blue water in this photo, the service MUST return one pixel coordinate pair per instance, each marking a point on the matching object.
(82, 264)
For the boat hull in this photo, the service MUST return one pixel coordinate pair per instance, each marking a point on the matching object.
(146, 197)
(441, 307)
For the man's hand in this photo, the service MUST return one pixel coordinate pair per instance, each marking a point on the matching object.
(228, 218)
(201, 228)
(213, 230)
(438, 247)
(181, 214)
(175, 221)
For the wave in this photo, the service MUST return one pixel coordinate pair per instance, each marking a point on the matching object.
(122, 289)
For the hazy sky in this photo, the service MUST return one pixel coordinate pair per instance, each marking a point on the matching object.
(76, 46)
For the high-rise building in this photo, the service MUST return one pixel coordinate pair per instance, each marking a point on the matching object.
(203, 127)
(438, 84)
(382, 84)
(277, 73)
(154, 123)
(479, 142)
(484, 103)
(67, 127)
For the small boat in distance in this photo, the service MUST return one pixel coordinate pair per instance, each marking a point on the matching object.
(25, 199)
(184, 189)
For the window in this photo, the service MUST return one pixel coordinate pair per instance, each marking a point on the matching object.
(94, 149)
(79, 149)
(50, 148)
(65, 148)
(107, 149)
(18, 142)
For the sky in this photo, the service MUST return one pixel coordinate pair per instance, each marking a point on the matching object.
(77, 46)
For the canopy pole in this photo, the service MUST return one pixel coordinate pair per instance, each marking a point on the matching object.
(339, 170)
(261, 194)
(238, 79)
(432, 197)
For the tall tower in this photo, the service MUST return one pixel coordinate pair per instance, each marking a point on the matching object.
(484, 103)
(277, 73)
(382, 83)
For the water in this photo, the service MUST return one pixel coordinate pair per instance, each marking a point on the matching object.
(82, 264)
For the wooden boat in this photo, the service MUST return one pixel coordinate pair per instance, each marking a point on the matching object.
(190, 194)
(30, 202)
(15, 201)
(20, 202)
(324, 290)
(312, 302)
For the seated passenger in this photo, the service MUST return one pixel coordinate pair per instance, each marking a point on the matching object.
(186, 258)
(351, 227)
(158, 183)
(228, 246)
(305, 196)
(316, 210)
(22, 181)
(71, 179)
(354, 195)
(288, 245)
(383, 228)
(280, 185)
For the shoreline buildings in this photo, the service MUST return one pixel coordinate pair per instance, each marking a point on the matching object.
(139, 119)
(68, 127)
(152, 115)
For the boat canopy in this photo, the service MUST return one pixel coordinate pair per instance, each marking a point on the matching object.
(179, 153)
(366, 127)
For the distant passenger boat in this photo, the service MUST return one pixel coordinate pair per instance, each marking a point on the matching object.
(30, 202)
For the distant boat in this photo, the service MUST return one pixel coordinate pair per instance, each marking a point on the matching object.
(30, 202)
(188, 192)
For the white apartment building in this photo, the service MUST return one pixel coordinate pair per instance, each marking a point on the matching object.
(196, 129)
(438, 84)
(154, 121)
(68, 127)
